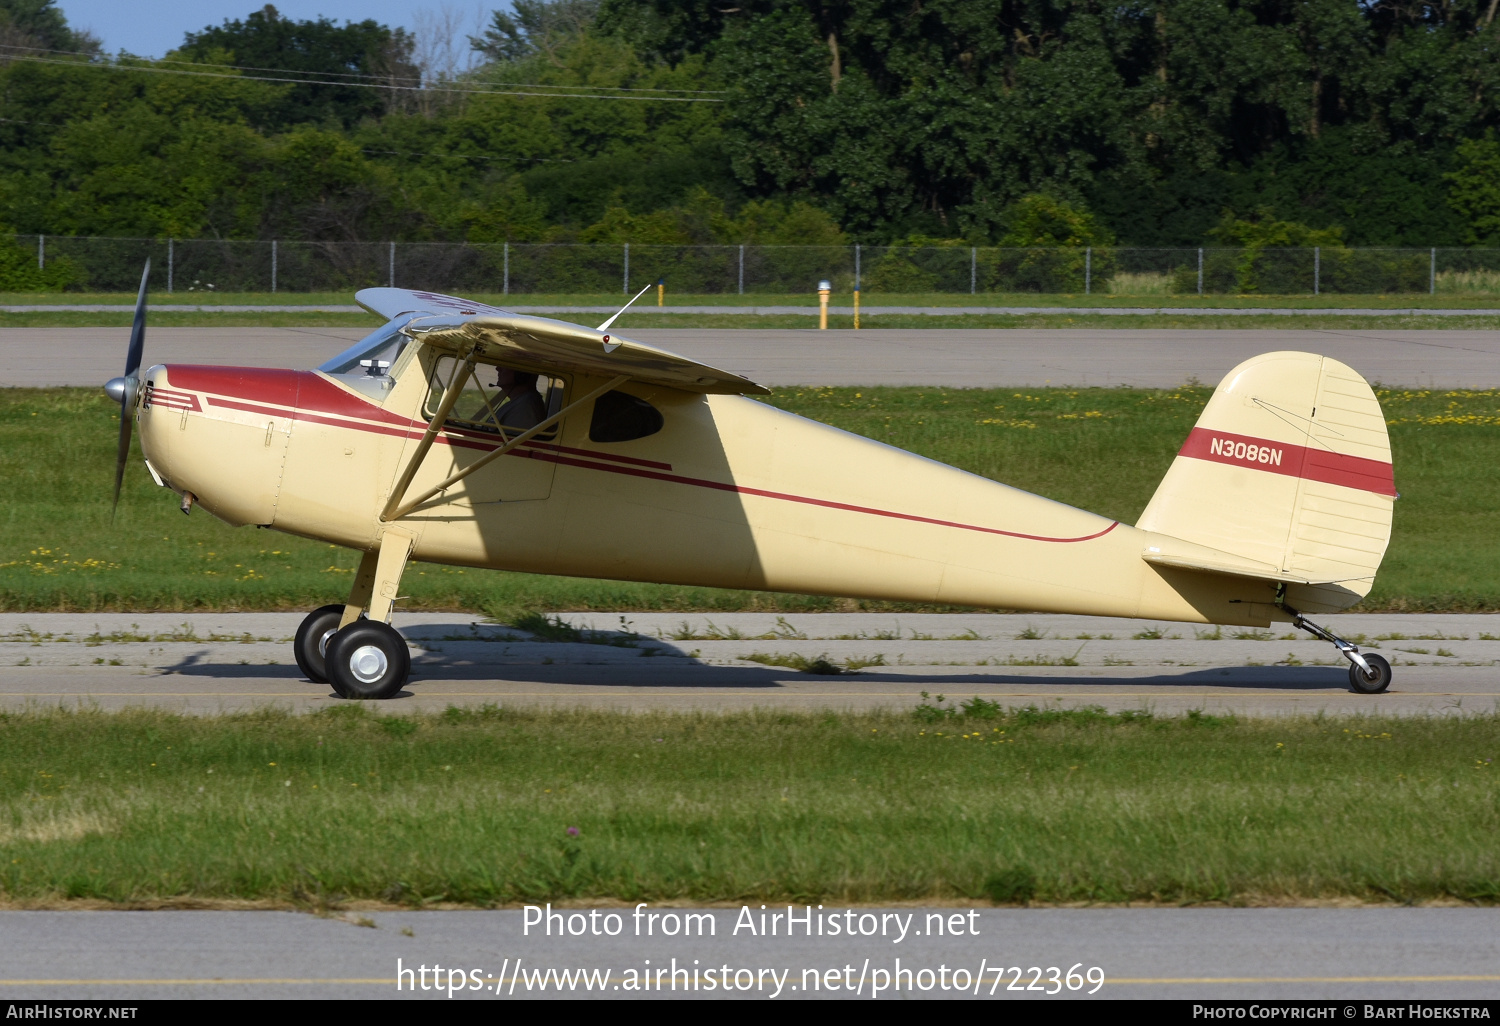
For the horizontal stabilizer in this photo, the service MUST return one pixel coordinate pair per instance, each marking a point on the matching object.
(1232, 568)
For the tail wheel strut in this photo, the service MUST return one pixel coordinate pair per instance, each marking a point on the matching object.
(1369, 674)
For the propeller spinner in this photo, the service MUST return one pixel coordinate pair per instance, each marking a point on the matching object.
(124, 389)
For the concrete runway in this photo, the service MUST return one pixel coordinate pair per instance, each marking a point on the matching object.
(1293, 953)
(950, 357)
(209, 663)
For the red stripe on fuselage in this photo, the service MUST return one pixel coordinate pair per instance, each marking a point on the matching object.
(170, 400)
(1312, 464)
(308, 417)
(316, 396)
(612, 457)
(260, 384)
(699, 482)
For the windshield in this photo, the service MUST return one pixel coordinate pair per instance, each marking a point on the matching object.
(367, 364)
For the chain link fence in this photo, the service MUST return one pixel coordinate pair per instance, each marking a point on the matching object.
(99, 264)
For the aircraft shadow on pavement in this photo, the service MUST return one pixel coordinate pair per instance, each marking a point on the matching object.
(675, 666)
(680, 673)
(198, 664)
(614, 659)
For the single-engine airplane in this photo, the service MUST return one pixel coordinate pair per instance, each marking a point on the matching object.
(598, 456)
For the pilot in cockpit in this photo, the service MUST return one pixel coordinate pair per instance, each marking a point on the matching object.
(519, 405)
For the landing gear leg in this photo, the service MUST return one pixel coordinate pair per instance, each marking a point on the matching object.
(367, 658)
(362, 589)
(1369, 674)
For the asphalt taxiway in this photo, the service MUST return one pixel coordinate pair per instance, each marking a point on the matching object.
(1343, 954)
(224, 662)
(1144, 358)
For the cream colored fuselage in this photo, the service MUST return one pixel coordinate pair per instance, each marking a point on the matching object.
(730, 493)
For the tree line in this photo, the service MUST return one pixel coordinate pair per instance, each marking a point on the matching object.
(1009, 122)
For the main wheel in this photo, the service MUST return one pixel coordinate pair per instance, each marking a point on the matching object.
(367, 659)
(312, 641)
(1370, 685)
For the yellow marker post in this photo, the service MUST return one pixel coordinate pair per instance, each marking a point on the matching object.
(661, 290)
(824, 288)
(856, 309)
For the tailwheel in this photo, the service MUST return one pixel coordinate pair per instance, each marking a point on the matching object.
(1374, 682)
(1369, 674)
(311, 642)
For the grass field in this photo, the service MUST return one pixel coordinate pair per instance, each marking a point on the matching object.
(1100, 449)
(493, 806)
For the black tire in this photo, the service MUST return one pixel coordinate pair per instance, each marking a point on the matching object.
(367, 659)
(1370, 685)
(312, 641)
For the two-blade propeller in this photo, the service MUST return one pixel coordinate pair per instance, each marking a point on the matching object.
(125, 389)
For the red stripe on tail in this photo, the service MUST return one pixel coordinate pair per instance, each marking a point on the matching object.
(1289, 460)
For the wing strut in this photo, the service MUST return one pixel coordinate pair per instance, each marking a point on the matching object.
(525, 436)
(455, 389)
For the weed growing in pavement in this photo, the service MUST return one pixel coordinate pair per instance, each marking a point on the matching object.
(820, 665)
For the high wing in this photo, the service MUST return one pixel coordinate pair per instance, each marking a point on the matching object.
(542, 344)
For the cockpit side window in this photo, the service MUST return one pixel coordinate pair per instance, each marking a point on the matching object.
(498, 400)
(367, 365)
(619, 417)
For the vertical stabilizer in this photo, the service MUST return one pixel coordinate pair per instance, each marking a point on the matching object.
(1289, 466)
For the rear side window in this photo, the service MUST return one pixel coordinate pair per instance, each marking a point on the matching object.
(619, 418)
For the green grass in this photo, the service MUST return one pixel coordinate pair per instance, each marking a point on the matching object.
(1100, 449)
(475, 806)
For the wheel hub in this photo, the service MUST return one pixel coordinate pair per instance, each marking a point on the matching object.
(368, 664)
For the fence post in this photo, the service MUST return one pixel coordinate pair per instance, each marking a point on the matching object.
(1317, 267)
(273, 265)
(1200, 270)
(41, 252)
(505, 284)
(392, 274)
(171, 260)
(973, 269)
(742, 268)
(1432, 274)
(856, 267)
(626, 289)
(1088, 269)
